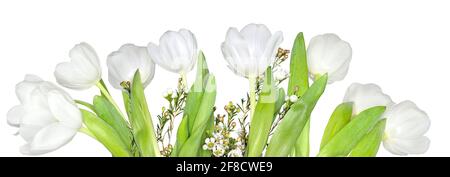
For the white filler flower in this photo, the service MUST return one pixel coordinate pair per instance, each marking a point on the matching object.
(123, 63)
(177, 51)
(327, 53)
(365, 96)
(47, 117)
(405, 128)
(83, 71)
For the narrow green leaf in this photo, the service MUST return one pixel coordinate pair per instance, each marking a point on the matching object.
(298, 82)
(279, 101)
(141, 120)
(209, 131)
(349, 136)
(85, 104)
(194, 143)
(368, 146)
(341, 116)
(207, 103)
(192, 146)
(262, 118)
(193, 101)
(286, 134)
(302, 143)
(127, 102)
(298, 67)
(195, 95)
(182, 136)
(106, 111)
(105, 134)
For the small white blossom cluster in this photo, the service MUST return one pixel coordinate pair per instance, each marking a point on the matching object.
(280, 73)
(227, 140)
(169, 93)
(291, 99)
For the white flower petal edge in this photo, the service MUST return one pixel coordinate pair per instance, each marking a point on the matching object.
(405, 128)
(83, 71)
(123, 63)
(47, 117)
(365, 96)
(177, 51)
(327, 53)
(250, 51)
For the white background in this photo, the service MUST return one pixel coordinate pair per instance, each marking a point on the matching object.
(403, 46)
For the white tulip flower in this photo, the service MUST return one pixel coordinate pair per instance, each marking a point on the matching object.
(177, 51)
(83, 71)
(123, 63)
(406, 125)
(250, 51)
(327, 53)
(47, 117)
(365, 96)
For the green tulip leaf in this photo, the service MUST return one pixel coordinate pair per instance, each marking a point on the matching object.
(279, 101)
(369, 145)
(193, 103)
(141, 121)
(341, 116)
(193, 144)
(289, 129)
(262, 119)
(348, 137)
(298, 76)
(105, 134)
(298, 84)
(106, 111)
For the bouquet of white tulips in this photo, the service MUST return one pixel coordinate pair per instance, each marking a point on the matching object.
(270, 121)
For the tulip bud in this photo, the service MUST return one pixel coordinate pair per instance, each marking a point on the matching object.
(177, 51)
(365, 96)
(405, 128)
(123, 63)
(327, 53)
(83, 71)
(250, 51)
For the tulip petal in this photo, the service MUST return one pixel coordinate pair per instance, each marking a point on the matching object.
(34, 121)
(49, 138)
(417, 145)
(327, 53)
(172, 47)
(365, 96)
(191, 45)
(406, 120)
(236, 52)
(270, 51)
(83, 71)
(177, 51)
(257, 36)
(24, 88)
(64, 110)
(14, 115)
(122, 65)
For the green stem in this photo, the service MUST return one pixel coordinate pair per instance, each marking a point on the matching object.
(87, 132)
(105, 93)
(302, 145)
(85, 104)
(184, 80)
(252, 94)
